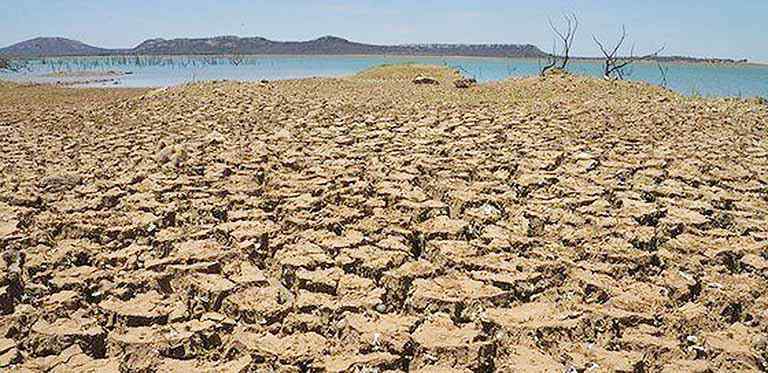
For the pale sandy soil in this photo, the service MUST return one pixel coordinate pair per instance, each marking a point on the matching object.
(368, 224)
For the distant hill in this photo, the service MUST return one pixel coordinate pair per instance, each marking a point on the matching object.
(329, 45)
(254, 45)
(53, 47)
(326, 45)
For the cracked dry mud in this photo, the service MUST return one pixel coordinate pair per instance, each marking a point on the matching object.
(558, 224)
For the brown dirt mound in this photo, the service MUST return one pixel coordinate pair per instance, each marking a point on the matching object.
(408, 73)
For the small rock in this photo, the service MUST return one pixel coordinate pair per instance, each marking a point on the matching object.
(214, 138)
(174, 154)
(60, 182)
(6, 344)
(465, 83)
(488, 209)
(9, 358)
(425, 80)
(760, 343)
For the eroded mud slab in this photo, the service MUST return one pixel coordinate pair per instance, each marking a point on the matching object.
(366, 224)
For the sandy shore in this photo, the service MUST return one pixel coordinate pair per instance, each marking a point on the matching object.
(558, 224)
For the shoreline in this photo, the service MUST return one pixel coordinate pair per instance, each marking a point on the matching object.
(574, 59)
(591, 68)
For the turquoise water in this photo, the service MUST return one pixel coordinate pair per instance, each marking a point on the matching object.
(698, 79)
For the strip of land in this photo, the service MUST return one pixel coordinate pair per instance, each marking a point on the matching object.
(326, 45)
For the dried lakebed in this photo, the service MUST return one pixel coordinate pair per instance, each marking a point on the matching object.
(369, 224)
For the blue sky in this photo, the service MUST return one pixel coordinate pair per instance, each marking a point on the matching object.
(711, 28)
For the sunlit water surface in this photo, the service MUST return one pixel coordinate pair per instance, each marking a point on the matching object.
(151, 71)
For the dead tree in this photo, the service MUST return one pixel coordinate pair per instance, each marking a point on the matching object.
(12, 64)
(663, 70)
(8, 64)
(614, 65)
(236, 58)
(565, 36)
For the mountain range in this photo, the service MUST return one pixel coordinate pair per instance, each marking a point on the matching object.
(327, 45)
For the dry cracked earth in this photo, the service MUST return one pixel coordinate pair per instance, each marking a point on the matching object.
(366, 224)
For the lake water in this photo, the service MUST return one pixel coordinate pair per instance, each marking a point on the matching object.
(150, 71)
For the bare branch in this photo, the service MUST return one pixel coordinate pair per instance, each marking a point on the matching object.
(9, 64)
(614, 67)
(551, 59)
(566, 36)
(5, 64)
(620, 42)
(663, 70)
(602, 47)
(236, 58)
